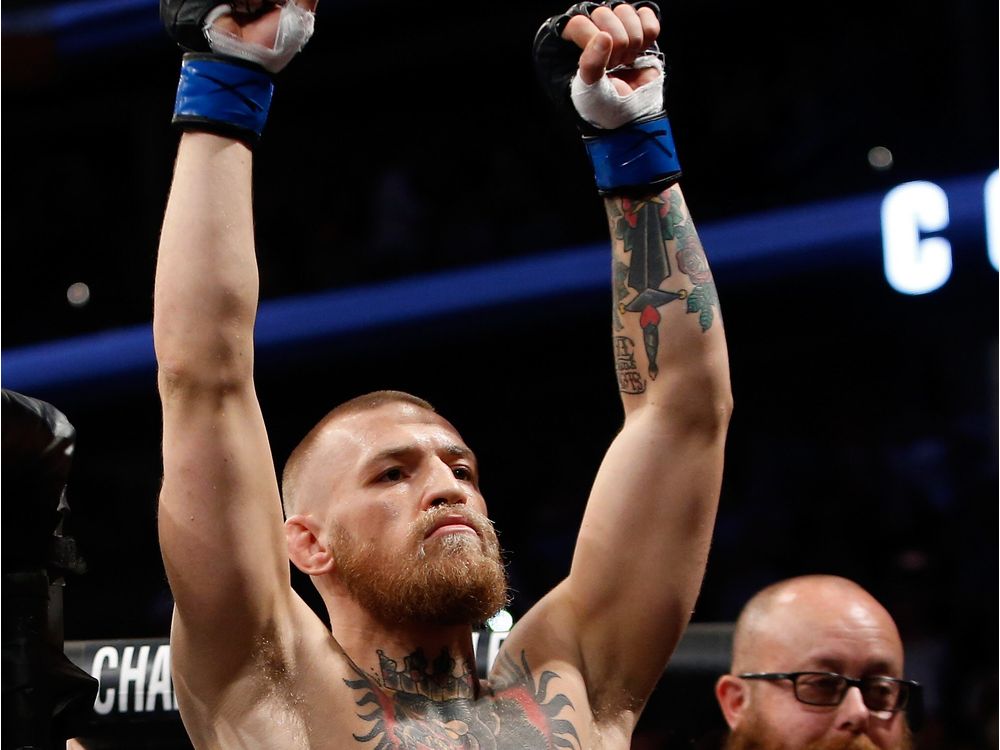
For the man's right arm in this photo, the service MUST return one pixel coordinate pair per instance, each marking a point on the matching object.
(220, 521)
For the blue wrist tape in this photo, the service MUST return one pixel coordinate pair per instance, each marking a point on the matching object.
(635, 157)
(223, 95)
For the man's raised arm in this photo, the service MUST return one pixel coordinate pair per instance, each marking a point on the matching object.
(642, 549)
(220, 519)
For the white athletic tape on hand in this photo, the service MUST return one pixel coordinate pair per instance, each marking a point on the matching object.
(295, 27)
(602, 106)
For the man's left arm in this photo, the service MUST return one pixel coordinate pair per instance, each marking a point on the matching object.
(643, 545)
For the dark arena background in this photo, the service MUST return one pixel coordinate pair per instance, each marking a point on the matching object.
(426, 224)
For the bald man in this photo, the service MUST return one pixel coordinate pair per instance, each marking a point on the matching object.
(817, 664)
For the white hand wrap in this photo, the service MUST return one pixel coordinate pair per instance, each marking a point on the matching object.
(295, 27)
(602, 106)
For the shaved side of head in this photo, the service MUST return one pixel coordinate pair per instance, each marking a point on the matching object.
(299, 458)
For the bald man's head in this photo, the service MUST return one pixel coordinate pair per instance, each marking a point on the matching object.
(796, 607)
(820, 624)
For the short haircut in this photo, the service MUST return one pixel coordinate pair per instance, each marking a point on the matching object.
(290, 477)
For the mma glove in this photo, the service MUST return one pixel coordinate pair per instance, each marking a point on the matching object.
(226, 84)
(627, 138)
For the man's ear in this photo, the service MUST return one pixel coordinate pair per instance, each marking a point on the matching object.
(731, 692)
(306, 549)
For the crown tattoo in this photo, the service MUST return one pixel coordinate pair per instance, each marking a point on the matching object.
(433, 680)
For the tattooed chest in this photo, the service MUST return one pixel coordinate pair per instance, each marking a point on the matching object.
(518, 713)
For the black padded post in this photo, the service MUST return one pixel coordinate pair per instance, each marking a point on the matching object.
(44, 694)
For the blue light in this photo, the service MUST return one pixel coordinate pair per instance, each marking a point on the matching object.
(813, 237)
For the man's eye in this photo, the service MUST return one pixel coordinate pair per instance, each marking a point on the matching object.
(821, 684)
(391, 475)
(880, 688)
(463, 473)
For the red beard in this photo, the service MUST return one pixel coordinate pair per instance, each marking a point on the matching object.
(455, 579)
(757, 736)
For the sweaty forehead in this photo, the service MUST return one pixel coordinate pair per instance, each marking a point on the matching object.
(357, 434)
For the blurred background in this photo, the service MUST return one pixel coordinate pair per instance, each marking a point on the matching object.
(426, 223)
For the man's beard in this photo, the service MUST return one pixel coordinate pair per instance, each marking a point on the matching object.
(454, 579)
(756, 735)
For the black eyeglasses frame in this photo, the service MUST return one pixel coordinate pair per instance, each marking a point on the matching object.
(902, 700)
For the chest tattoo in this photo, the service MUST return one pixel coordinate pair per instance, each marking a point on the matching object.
(423, 706)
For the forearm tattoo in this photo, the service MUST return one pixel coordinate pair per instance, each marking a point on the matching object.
(425, 706)
(649, 230)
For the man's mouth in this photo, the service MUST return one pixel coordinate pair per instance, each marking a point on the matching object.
(451, 524)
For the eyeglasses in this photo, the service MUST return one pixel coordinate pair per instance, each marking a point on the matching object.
(828, 688)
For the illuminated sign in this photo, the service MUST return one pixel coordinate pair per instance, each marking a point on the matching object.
(817, 237)
(135, 678)
(915, 263)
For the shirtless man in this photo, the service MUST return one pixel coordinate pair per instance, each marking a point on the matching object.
(817, 665)
(382, 506)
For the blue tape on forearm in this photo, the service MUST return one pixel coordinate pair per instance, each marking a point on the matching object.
(640, 154)
(223, 94)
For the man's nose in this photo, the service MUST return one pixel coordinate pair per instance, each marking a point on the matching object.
(852, 714)
(444, 488)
